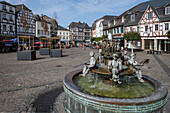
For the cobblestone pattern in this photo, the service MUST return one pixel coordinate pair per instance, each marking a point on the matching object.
(22, 82)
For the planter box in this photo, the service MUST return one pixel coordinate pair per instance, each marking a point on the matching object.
(44, 51)
(26, 55)
(56, 53)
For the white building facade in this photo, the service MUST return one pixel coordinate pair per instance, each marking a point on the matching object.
(99, 28)
(40, 30)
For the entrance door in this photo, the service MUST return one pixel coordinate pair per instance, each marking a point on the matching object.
(163, 45)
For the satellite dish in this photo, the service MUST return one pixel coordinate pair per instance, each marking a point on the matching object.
(110, 36)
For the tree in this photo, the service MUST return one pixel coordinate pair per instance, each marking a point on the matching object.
(98, 39)
(92, 39)
(54, 23)
(132, 36)
(24, 22)
(44, 25)
(168, 34)
(105, 36)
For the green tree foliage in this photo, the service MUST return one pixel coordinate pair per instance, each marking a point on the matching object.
(132, 36)
(92, 39)
(42, 37)
(104, 36)
(168, 34)
(98, 39)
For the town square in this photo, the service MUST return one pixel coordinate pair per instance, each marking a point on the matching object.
(89, 56)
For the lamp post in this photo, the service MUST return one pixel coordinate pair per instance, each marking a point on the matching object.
(148, 32)
(72, 37)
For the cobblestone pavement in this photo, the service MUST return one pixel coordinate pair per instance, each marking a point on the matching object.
(28, 86)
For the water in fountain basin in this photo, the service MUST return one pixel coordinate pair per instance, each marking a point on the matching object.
(97, 85)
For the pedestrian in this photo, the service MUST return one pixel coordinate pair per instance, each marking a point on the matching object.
(97, 47)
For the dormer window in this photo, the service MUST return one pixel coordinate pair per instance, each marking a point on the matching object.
(149, 15)
(133, 17)
(167, 10)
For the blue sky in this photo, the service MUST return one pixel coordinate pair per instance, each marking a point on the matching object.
(78, 10)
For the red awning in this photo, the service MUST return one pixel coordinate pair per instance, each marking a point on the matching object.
(6, 40)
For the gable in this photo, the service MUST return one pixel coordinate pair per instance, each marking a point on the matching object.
(150, 16)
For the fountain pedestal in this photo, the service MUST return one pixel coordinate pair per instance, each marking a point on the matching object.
(79, 101)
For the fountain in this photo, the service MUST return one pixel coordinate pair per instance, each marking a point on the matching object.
(113, 83)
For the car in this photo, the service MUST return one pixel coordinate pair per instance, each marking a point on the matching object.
(4, 48)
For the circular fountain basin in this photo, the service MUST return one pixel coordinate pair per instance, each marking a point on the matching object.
(80, 100)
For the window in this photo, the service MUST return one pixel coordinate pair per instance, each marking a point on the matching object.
(167, 10)
(41, 32)
(60, 33)
(10, 17)
(3, 6)
(156, 27)
(166, 26)
(133, 17)
(4, 15)
(138, 29)
(38, 32)
(67, 33)
(110, 31)
(63, 33)
(146, 28)
(115, 30)
(118, 30)
(4, 27)
(10, 8)
(11, 28)
(149, 15)
(63, 37)
(121, 29)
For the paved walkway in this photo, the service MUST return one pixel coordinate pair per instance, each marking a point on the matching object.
(23, 81)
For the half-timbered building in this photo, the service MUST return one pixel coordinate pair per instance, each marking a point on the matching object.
(25, 23)
(7, 19)
(152, 21)
(154, 26)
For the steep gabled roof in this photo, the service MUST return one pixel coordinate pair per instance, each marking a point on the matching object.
(108, 17)
(79, 25)
(153, 3)
(62, 28)
(6, 3)
(19, 8)
(158, 7)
